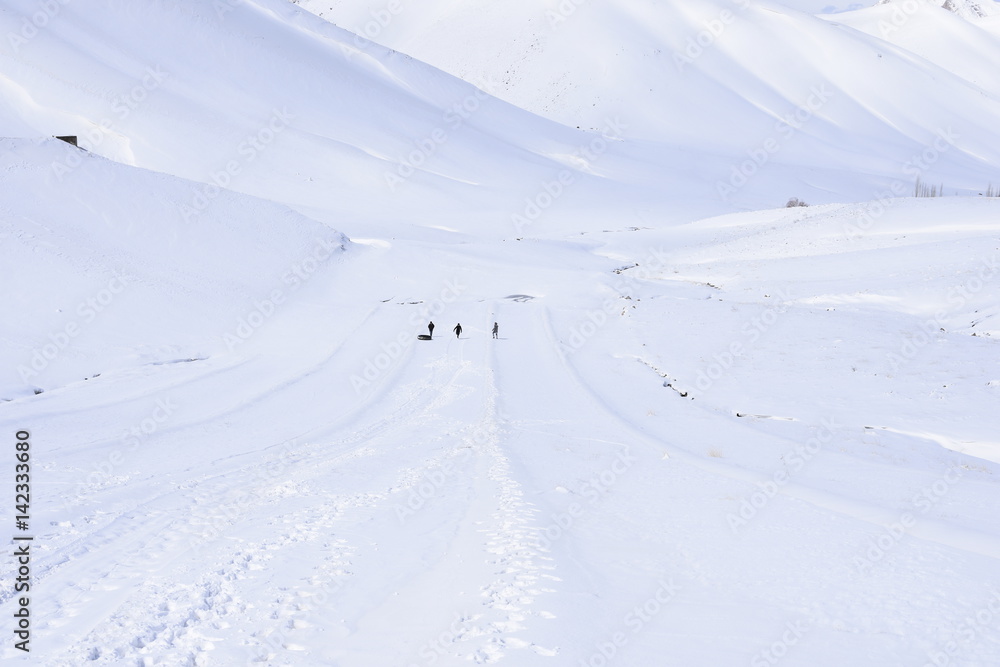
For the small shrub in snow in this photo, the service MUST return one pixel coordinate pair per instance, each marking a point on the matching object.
(921, 189)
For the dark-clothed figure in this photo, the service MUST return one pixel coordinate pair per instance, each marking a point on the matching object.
(458, 330)
(430, 328)
(496, 329)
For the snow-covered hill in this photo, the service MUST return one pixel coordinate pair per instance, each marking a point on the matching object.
(703, 436)
(288, 108)
(968, 9)
(690, 439)
(375, 134)
(699, 70)
(105, 275)
(963, 46)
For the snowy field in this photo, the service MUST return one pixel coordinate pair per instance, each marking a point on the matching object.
(712, 430)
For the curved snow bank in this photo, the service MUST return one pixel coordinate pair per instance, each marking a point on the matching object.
(302, 113)
(108, 266)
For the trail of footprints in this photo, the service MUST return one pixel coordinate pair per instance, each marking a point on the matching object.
(189, 619)
(167, 621)
(521, 567)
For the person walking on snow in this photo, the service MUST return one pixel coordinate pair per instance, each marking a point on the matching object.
(496, 329)
(458, 330)
(430, 328)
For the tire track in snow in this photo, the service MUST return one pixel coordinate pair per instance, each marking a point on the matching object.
(929, 529)
(473, 559)
(291, 610)
(146, 550)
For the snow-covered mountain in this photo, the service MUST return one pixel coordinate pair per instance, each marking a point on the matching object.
(108, 275)
(262, 98)
(681, 119)
(966, 48)
(704, 435)
(693, 70)
(968, 9)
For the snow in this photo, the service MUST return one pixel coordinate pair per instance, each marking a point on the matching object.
(712, 431)
(963, 47)
(681, 70)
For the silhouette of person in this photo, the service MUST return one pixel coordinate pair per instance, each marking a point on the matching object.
(496, 329)
(458, 330)
(430, 328)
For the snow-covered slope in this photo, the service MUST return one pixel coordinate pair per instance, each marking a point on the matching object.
(267, 99)
(680, 69)
(960, 45)
(706, 444)
(756, 82)
(763, 437)
(104, 275)
(967, 9)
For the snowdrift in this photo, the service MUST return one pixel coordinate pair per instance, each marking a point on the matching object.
(104, 272)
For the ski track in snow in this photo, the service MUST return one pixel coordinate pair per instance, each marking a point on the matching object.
(321, 492)
(178, 587)
(260, 556)
(494, 528)
(283, 540)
